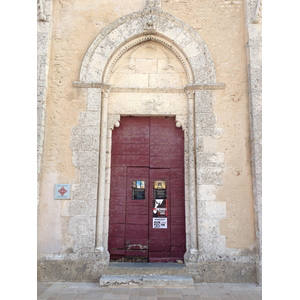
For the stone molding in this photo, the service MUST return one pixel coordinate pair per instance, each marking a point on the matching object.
(128, 31)
(213, 86)
(146, 38)
(189, 87)
(96, 85)
(146, 90)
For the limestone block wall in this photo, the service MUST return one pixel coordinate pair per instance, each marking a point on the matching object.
(44, 26)
(149, 77)
(254, 30)
(148, 65)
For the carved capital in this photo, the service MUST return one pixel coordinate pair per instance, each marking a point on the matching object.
(106, 91)
(190, 93)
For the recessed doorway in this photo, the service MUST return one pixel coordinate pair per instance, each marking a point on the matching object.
(147, 205)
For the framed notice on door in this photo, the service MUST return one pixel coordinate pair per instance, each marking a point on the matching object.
(160, 191)
(138, 190)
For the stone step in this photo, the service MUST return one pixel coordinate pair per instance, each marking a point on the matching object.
(147, 280)
(123, 268)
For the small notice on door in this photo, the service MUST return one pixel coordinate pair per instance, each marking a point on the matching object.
(138, 190)
(160, 223)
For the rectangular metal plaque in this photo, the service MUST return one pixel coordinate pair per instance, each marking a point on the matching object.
(62, 191)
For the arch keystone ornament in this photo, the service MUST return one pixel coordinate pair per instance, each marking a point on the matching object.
(203, 171)
(153, 4)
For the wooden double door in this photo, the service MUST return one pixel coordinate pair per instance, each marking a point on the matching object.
(147, 207)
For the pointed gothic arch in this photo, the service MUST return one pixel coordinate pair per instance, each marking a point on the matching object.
(149, 24)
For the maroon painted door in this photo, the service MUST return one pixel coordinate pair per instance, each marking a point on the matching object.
(147, 151)
(137, 217)
(159, 238)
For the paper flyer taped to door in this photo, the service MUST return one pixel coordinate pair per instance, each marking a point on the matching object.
(160, 223)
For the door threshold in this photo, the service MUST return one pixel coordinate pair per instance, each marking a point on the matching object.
(146, 265)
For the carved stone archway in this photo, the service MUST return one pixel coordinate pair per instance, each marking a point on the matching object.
(152, 24)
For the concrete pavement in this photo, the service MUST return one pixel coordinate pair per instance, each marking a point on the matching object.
(200, 291)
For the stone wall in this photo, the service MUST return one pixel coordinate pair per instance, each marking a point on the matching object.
(254, 29)
(111, 58)
(44, 26)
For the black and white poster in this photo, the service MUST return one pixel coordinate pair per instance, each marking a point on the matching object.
(160, 223)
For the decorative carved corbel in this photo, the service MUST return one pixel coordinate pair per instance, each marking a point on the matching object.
(114, 121)
(181, 122)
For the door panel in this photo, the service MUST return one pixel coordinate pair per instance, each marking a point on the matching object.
(159, 238)
(131, 149)
(146, 149)
(166, 161)
(116, 206)
(165, 149)
(132, 160)
(137, 231)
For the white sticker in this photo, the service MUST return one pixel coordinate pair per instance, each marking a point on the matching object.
(160, 223)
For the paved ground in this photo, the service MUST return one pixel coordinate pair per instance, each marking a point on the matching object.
(200, 291)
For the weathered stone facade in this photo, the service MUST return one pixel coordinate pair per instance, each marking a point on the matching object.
(186, 59)
(254, 26)
(44, 16)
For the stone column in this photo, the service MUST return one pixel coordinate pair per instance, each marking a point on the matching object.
(192, 253)
(113, 121)
(100, 243)
(209, 169)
